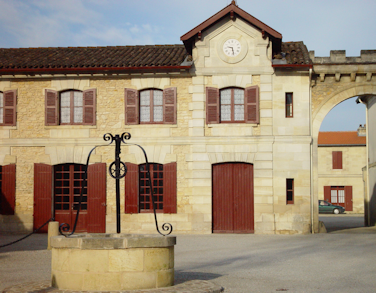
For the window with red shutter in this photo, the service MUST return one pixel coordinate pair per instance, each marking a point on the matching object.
(131, 106)
(150, 106)
(70, 107)
(7, 189)
(232, 105)
(8, 104)
(337, 159)
(137, 190)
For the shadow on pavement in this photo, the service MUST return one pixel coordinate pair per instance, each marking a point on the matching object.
(345, 223)
(181, 276)
(34, 242)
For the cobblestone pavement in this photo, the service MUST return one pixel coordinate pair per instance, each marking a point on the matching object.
(341, 261)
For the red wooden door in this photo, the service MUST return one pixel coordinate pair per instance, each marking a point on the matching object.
(348, 198)
(42, 195)
(233, 206)
(96, 198)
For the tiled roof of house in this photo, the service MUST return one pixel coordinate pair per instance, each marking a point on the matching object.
(328, 138)
(292, 53)
(150, 56)
(93, 57)
(296, 53)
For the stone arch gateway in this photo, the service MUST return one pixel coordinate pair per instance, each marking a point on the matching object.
(334, 80)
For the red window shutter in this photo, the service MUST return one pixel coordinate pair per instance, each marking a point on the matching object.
(10, 104)
(169, 191)
(89, 103)
(131, 189)
(251, 106)
(212, 105)
(42, 195)
(131, 106)
(51, 115)
(337, 160)
(169, 105)
(96, 198)
(327, 193)
(8, 190)
(348, 198)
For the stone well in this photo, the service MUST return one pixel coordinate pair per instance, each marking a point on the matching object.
(112, 262)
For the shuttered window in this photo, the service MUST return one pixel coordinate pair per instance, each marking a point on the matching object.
(8, 102)
(7, 189)
(70, 107)
(150, 106)
(232, 105)
(137, 191)
(337, 160)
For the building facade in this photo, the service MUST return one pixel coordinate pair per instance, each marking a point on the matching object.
(342, 157)
(225, 120)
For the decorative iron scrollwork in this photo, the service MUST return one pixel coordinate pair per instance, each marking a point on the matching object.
(117, 170)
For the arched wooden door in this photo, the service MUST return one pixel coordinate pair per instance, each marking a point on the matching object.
(233, 198)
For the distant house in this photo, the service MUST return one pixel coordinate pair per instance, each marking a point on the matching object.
(342, 155)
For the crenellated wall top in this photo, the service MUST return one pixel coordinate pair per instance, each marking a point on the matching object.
(339, 57)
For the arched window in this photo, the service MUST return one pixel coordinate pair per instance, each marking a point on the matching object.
(71, 107)
(150, 106)
(232, 105)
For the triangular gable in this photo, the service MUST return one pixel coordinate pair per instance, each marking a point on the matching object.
(234, 11)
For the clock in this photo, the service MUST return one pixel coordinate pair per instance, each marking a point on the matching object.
(232, 47)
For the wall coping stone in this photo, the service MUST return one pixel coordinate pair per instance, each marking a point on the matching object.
(112, 241)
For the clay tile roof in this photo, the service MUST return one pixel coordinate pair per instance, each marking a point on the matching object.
(295, 53)
(93, 57)
(340, 138)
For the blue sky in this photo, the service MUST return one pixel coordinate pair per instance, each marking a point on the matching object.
(323, 25)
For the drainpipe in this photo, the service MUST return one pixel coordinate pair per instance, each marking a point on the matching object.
(311, 150)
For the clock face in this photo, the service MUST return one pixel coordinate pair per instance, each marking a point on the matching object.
(232, 47)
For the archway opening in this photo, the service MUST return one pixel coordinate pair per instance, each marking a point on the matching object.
(342, 158)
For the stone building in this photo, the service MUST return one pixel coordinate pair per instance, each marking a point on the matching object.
(342, 156)
(225, 119)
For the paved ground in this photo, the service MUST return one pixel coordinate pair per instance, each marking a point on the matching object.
(341, 261)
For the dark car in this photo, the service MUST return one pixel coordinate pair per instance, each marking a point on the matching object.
(328, 208)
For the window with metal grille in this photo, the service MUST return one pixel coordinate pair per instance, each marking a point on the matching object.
(68, 179)
(156, 175)
(289, 105)
(289, 191)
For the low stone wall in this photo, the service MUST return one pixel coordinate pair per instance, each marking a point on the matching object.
(112, 262)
